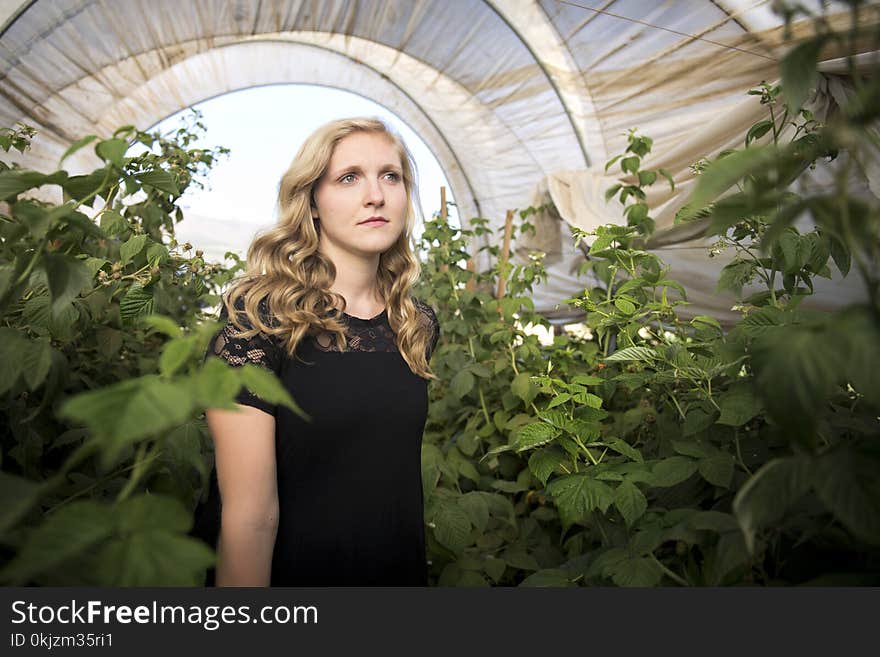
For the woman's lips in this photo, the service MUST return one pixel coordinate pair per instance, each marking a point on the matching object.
(373, 222)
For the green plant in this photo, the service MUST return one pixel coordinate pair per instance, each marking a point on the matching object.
(104, 452)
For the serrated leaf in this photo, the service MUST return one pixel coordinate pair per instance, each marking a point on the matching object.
(65, 533)
(153, 558)
(549, 577)
(522, 387)
(799, 73)
(717, 469)
(175, 353)
(576, 495)
(673, 470)
(630, 501)
(112, 150)
(722, 173)
(739, 405)
(18, 495)
(622, 447)
(163, 324)
(544, 462)
(265, 385)
(477, 509)
(846, 482)
(126, 412)
(36, 361)
(462, 383)
(136, 302)
(534, 435)
(159, 179)
(66, 277)
(132, 247)
(643, 354)
(75, 146)
(766, 496)
(452, 526)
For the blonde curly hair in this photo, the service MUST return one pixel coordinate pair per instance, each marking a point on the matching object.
(286, 271)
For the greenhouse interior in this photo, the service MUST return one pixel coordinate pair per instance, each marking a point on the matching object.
(647, 346)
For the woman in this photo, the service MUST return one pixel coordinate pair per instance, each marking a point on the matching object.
(325, 304)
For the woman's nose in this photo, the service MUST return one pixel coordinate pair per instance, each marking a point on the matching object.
(375, 196)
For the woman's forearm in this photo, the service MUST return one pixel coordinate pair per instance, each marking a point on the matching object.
(244, 550)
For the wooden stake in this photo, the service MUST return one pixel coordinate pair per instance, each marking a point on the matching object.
(505, 253)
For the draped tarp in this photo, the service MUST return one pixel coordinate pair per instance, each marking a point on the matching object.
(511, 95)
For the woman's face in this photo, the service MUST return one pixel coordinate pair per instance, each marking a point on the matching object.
(363, 180)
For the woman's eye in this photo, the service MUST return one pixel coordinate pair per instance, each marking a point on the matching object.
(349, 177)
(392, 176)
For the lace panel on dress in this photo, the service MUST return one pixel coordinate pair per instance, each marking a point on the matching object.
(259, 349)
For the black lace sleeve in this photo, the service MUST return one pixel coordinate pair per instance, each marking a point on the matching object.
(260, 349)
(431, 324)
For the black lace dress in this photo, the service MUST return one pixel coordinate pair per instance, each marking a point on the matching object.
(349, 482)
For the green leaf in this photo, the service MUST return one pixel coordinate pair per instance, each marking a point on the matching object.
(477, 509)
(113, 223)
(534, 435)
(175, 353)
(636, 571)
(841, 255)
(153, 558)
(136, 302)
(132, 247)
(795, 371)
(633, 353)
(576, 495)
(630, 501)
(846, 482)
(758, 130)
(67, 277)
(163, 324)
(265, 385)
(739, 405)
(64, 534)
(561, 398)
(549, 577)
(112, 150)
(706, 319)
(523, 387)
(148, 512)
(159, 179)
(611, 191)
(717, 469)
(736, 274)
(462, 383)
(766, 496)
(75, 146)
(544, 462)
(36, 361)
(587, 380)
(721, 174)
(668, 176)
(452, 526)
(696, 420)
(588, 399)
(624, 306)
(673, 470)
(18, 495)
(126, 412)
(630, 164)
(647, 178)
(622, 447)
(799, 72)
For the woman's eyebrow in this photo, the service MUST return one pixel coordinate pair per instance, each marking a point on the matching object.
(354, 168)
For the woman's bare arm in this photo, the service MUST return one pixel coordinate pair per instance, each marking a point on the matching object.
(244, 448)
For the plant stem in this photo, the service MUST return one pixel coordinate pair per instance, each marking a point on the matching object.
(669, 573)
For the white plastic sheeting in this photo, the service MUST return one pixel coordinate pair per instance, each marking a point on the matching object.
(513, 96)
